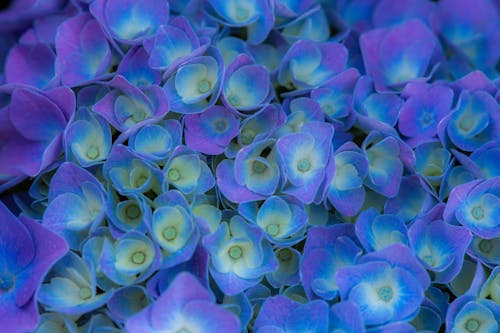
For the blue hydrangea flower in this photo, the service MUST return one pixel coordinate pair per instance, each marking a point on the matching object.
(28, 250)
(288, 272)
(281, 314)
(312, 25)
(196, 84)
(387, 285)
(397, 55)
(130, 22)
(126, 105)
(155, 141)
(87, 139)
(51, 320)
(309, 64)
(345, 190)
(327, 250)
(282, 220)
(486, 251)
(83, 52)
(174, 44)
(239, 255)
(257, 16)
(129, 213)
(439, 246)
(126, 302)
(186, 171)
(71, 289)
(135, 69)
(210, 132)
(474, 122)
(482, 161)
(304, 157)
(130, 174)
(76, 204)
(181, 309)
(130, 259)
(376, 231)
(432, 161)
(253, 175)
(467, 314)
(173, 228)
(247, 86)
(475, 205)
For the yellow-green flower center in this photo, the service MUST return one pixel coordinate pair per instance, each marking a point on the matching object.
(273, 229)
(477, 212)
(259, 167)
(85, 293)
(304, 165)
(284, 254)
(174, 174)
(138, 258)
(485, 245)
(234, 100)
(472, 325)
(169, 233)
(132, 211)
(92, 152)
(235, 252)
(204, 86)
(247, 136)
(220, 125)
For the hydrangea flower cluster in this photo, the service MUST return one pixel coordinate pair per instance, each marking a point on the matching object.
(268, 166)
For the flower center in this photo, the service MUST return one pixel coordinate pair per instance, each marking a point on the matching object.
(304, 165)
(85, 293)
(235, 252)
(477, 212)
(242, 14)
(132, 211)
(485, 245)
(427, 118)
(328, 109)
(258, 167)
(139, 115)
(174, 174)
(284, 255)
(234, 100)
(138, 258)
(220, 125)
(385, 293)
(92, 152)
(472, 325)
(204, 86)
(169, 233)
(247, 136)
(6, 282)
(273, 229)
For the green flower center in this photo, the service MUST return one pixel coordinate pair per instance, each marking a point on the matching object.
(220, 125)
(235, 252)
(259, 167)
(477, 212)
(242, 14)
(174, 174)
(6, 282)
(92, 152)
(304, 165)
(138, 258)
(85, 293)
(169, 233)
(328, 109)
(385, 293)
(138, 116)
(234, 100)
(427, 118)
(247, 136)
(204, 86)
(273, 229)
(485, 245)
(285, 254)
(472, 325)
(132, 211)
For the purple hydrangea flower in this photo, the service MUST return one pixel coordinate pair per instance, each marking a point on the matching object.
(184, 309)
(346, 317)
(211, 132)
(28, 250)
(280, 314)
(135, 69)
(397, 55)
(31, 128)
